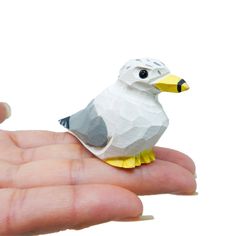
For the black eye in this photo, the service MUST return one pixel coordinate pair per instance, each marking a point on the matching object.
(143, 74)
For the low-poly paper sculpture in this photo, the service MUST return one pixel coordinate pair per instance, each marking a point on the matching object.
(123, 123)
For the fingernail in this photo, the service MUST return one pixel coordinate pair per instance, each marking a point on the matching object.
(185, 194)
(8, 110)
(195, 175)
(138, 218)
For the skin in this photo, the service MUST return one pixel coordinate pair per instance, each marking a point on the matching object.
(50, 182)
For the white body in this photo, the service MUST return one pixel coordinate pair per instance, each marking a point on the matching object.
(135, 120)
(126, 118)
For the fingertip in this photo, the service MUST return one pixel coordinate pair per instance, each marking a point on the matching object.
(120, 203)
(175, 156)
(5, 111)
(131, 203)
(187, 184)
(8, 110)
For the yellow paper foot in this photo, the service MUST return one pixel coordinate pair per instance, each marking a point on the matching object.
(145, 157)
(123, 162)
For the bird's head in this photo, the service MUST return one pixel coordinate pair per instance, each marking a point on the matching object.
(151, 76)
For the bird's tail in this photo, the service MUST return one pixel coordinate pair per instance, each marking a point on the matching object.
(65, 122)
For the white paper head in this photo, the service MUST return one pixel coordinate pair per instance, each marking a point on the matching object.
(142, 73)
(151, 76)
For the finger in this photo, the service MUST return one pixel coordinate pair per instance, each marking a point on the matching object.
(174, 156)
(5, 111)
(32, 139)
(75, 151)
(37, 138)
(157, 177)
(170, 177)
(50, 209)
(18, 156)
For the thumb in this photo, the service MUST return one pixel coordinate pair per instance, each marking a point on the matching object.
(5, 111)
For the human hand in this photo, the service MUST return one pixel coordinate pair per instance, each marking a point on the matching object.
(50, 182)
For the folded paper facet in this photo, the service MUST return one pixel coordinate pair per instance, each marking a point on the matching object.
(124, 122)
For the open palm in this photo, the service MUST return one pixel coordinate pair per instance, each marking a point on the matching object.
(50, 182)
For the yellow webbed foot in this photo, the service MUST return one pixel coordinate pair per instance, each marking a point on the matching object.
(145, 157)
(123, 162)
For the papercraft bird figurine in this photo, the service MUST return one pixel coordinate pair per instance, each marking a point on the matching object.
(123, 123)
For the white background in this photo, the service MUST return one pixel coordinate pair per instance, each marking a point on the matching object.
(55, 56)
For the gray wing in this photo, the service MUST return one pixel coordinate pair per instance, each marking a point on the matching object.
(88, 126)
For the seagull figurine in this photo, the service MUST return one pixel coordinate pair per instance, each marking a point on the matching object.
(123, 123)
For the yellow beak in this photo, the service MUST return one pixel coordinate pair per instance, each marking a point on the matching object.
(171, 83)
